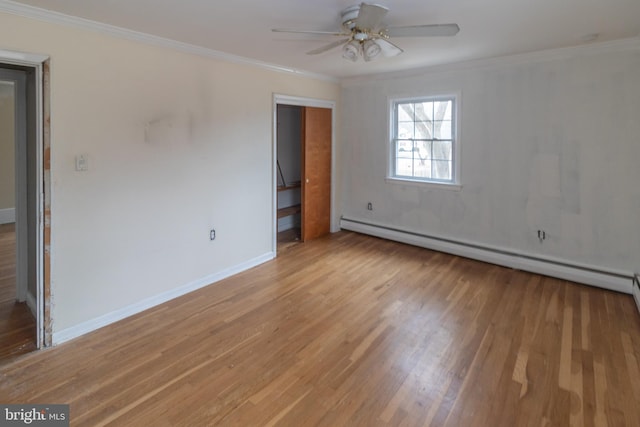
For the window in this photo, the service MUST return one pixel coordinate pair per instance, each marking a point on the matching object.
(423, 140)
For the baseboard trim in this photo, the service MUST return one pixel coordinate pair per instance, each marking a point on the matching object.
(32, 304)
(7, 216)
(602, 278)
(91, 325)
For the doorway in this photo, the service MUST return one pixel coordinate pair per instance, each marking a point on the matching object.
(303, 147)
(289, 176)
(21, 201)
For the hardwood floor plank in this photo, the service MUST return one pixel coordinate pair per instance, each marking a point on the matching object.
(564, 376)
(17, 324)
(600, 388)
(632, 364)
(350, 330)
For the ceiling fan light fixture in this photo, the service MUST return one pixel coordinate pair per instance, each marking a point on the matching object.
(363, 33)
(349, 17)
(351, 51)
(370, 50)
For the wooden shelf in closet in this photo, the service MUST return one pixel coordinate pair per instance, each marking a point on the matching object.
(289, 187)
(288, 211)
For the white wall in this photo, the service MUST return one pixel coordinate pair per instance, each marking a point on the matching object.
(550, 142)
(136, 224)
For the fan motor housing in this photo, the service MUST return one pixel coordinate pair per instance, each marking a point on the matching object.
(349, 16)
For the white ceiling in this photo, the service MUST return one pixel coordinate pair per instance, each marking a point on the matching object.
(488, 28)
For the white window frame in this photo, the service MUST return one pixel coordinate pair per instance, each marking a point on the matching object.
(455, 183)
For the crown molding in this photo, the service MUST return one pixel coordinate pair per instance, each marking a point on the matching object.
(629, 44)
(36, 13)
(39, 14)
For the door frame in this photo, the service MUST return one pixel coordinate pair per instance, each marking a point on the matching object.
(37, 62)
(19, 79)
(279, 99)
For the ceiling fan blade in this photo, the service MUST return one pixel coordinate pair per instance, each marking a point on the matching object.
(327, 47)
(324, 33)
(370, 16)
(387, 48)
(437, 30)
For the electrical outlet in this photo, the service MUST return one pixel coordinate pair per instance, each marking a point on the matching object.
(212, 234)
(369, 206)
(542, 235)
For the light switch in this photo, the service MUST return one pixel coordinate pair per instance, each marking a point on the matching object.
(82, 162)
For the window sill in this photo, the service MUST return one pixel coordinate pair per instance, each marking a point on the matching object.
(425, 184)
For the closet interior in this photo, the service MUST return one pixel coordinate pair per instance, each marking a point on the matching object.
(289, 134)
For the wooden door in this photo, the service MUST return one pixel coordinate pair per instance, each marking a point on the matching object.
(316, 172)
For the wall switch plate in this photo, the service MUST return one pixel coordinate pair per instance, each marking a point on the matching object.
(82, 162)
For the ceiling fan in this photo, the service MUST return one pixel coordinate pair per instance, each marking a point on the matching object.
(364, 35)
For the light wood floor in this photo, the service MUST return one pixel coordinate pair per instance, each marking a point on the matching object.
(351, 330)
(17, 325)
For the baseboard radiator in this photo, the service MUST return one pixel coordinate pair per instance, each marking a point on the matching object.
(608, 279)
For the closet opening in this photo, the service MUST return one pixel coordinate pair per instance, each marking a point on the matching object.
(289, 178)
(303, 166)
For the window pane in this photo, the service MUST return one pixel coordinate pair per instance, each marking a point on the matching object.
(442, 110)
(442, 150)
(423, 150)
(405, 112)
(424, 111)
(404, 167)
(424, 130)
(422, 168)
(442, 129)
(441, 170)
(404, 148)
(405, 130)
(405, 155)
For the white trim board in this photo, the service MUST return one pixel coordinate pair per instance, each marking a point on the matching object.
(32, 304)
(91, 325)
(612, 280)
(7, 216)
(636, 290)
